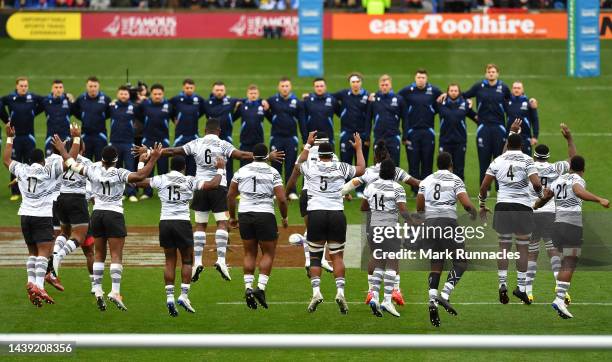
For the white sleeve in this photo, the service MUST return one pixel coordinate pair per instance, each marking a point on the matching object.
(156, 182)
(227, 148)
(123, 174)
(492, 169)
(530, 167)
(189, 148)
(277, 180)
(348, 171)
(400, 194)
(459, 186)
(423, 186)
(15, 167)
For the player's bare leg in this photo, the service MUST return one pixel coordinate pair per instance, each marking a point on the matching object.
(186, 270)
(88, 252)
(169, 274)
(116, 271)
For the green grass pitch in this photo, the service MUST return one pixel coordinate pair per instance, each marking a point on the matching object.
(582, 103)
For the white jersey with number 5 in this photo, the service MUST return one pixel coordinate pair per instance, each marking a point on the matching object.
(107, 186)
(324, 181)
(175, 190)
(440, 191)
(512, 170)
(206, 150)
(568, 206)
(549, 173)
(37, 185)
(313, 156)
(256, 182)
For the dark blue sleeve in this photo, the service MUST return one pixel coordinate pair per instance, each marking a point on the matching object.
(268, 114)
(237, 113)
(471, 115)
(301, 115)
(370, 116)
(234, 104)
(39, 107)
(506, 91)
(404, 92)
(75, 109)
(337, 106)
(471, 93)
(535, 122)
(3, 114)
(405, 119)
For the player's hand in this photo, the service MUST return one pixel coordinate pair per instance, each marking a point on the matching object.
(139, 150)
(311, 137)
(58, 144)
(371, 97)
(533, 103)
(605, 203)
(565, 131)
(220, 163)
(469, 103)
(406, 142)
(483, 214)
(357, 144)
(285, 223)
(233, 223)
(366, 143)
(10, 130)
(442, 98)
(472, 212)
(534, 141)
(305, 95)
(276, 156)
(70, 97)
(75, 130)
(156, 152)
(516, 125)
(548, 193)
(265, 105)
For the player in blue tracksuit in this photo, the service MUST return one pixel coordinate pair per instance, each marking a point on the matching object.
(418, 133)
(222, 107)
(286, 113)
(251, 113)
(319, 109)
(156, 113)
(123, 115)
(187, 108)
(491, 96)
(388, 108)
(58, 109)
(91, 108)
(453, 130)
(519, 106)
(354, 113)
(21, 109)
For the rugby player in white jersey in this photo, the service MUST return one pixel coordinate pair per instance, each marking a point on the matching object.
(385, 200)
(437, 198)
(257, 184)
(514, 172)
(544, 216)
(175, 191)
(205, 151)
(107, 220)
(36, 183)
(326, 220)
(371, 174)
(568, 192)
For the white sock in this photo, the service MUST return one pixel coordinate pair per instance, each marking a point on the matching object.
(340, 282)
(199, 242)
(520, 280)
(502, 277)
(59, 243)
(98, 274)
(31, 269)
(221, 237)
(315, 282)
(433, 293)
(41, 270)
(306, 254)
(370, 276)
(396, 284)
(116, 271)
(262, 281)
(248, 281)
(68, 248)
(185, 290)
(388, 281)
(170, 293)
(91, 279)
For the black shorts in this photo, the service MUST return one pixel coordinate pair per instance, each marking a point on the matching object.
(542, 225)
(304, 203)
(37, 229)
(175, 234)
(260, 226)
(513, 218)
(327, 225)
(566, 235)
(214, 200)
(56, 220)
(72, 209)
(439, 237)
(107, 224)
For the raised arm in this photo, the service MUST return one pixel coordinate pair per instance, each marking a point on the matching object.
(571, 147)
(360, 166)
(8, 149)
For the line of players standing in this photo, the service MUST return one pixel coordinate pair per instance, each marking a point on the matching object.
(404, 118)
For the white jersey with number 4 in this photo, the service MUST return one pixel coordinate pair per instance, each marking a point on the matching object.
(36, 183)
(549, 173)
(325, 181)
(206, 150)
(107, 186)
(256, 182)
(175, 190)
(440, 190)
(568, 206)
(512, 170)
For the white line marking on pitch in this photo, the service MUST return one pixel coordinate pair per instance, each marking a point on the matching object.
(424, 303)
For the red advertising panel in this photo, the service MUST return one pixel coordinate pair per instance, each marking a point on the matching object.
(188, 25)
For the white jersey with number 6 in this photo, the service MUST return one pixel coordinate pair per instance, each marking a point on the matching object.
(256, 182)
(175, 190)
(107, 186)
(440, 191)
(512, 170)
(206, 150)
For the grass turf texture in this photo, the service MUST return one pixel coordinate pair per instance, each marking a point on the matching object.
(288, 293)
(582, 103)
